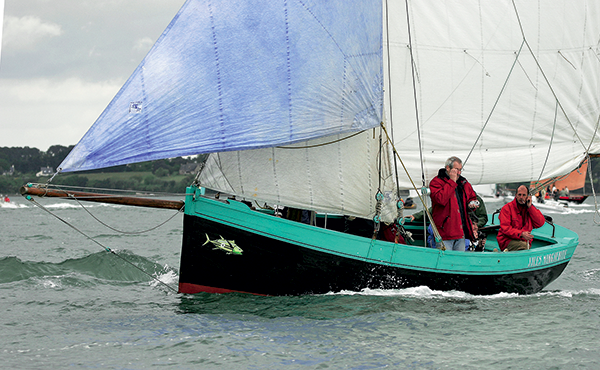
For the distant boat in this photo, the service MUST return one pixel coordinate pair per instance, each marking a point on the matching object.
(577, 199)
(574, 182)
(488, 192)
(335, 107)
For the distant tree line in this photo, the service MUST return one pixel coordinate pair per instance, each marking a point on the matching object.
(159, 176)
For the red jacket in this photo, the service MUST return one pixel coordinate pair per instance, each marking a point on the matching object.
(514, 219)
(445, 208)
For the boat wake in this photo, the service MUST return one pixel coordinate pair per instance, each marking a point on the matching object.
(426, 292)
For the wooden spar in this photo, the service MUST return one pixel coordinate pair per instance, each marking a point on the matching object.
(102, 198)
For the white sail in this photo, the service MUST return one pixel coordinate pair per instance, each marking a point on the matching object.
(1, 25)
(509, 86)
(327, 175)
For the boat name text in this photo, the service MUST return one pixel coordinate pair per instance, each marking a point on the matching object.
(547, 258)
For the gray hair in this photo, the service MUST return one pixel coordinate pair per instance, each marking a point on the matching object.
(450, 161)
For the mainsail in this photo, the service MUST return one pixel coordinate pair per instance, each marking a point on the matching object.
(510, 87)
(238, 75)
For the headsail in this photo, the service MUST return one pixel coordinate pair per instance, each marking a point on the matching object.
(512, 86)
(241, 75)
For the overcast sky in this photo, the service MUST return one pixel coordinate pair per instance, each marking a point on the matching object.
(62, 62)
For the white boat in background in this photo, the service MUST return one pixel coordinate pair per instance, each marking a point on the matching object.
(488, 192)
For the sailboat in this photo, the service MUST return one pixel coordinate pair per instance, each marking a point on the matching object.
(574, 181)
(334, 108)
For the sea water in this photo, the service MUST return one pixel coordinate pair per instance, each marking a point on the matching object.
(67, 302)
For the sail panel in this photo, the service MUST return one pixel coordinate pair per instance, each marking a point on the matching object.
(516, 104)
(336, 174)
(237, 75)
(1, 25)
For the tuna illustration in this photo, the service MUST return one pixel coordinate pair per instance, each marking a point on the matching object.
(228, 246)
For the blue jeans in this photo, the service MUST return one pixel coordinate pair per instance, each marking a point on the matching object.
(454, 244)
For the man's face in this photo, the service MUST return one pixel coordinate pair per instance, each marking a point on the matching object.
(457, 166)
(522, 195)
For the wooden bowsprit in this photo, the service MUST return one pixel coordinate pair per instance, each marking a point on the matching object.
(42, 191)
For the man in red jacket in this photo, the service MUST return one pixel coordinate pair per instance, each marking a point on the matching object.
(451, 197)
(517, 219)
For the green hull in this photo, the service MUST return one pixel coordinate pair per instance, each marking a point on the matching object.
(280, 256)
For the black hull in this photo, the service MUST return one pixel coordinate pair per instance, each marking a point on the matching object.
(275, 267)
(577, 199)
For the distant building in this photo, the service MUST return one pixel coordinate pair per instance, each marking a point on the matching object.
(9, 172)
(45, 171)
(189, 168)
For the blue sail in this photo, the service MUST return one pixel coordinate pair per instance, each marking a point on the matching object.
(238, 74)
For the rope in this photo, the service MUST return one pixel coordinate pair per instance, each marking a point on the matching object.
(596, 211)
(415, 98)
(421, 198)
(551, 141)
(318, 145)
(100, 244)
(495, 104)
(115, 229)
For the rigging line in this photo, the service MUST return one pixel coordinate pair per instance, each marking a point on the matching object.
(475, 59)
(595, 54)
(389, 63)
(425, 209)
(495, 103)
(589, 170)
(323, 144)
(108, 249)
(565, 58)
(412, 66)
(551, 140)
(544, 75)
(597, 211)
(389, 68)
(112, 228)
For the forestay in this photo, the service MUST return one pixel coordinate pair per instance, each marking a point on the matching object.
(236, 75)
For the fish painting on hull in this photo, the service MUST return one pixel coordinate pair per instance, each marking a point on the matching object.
(228, 246)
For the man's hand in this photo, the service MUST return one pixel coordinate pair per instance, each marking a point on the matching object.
(526, 234)
(453, 174)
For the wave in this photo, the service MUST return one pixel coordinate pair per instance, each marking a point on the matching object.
(97, 268)
(12, 205)
(53, 204)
